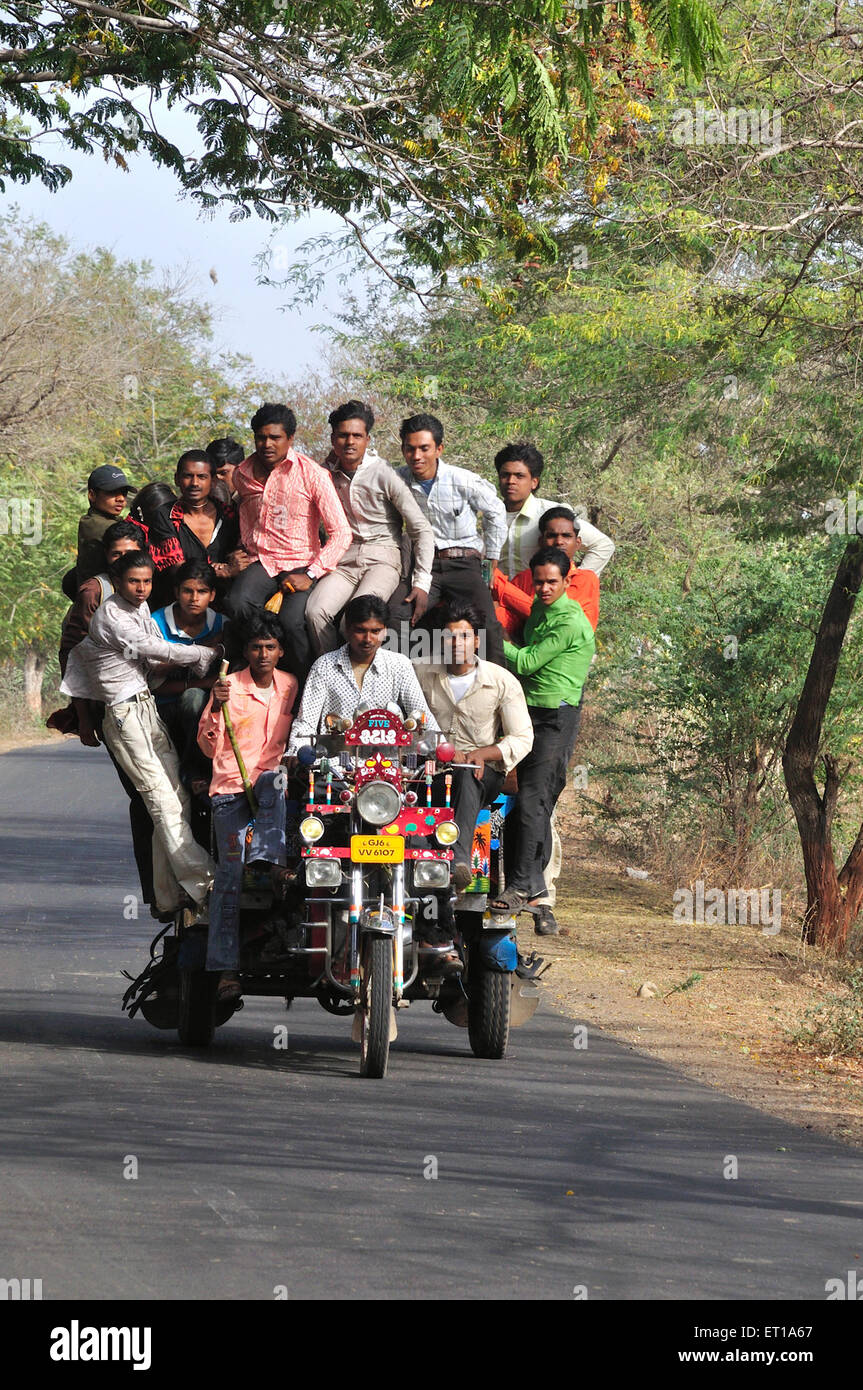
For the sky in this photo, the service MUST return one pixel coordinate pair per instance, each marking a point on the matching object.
(140, 215)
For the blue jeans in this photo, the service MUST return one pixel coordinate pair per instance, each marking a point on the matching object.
(231, 817)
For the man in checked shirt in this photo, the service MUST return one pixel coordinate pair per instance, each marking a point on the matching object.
(453, 499)
(284, 497)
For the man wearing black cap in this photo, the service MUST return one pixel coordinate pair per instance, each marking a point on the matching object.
(107, 490)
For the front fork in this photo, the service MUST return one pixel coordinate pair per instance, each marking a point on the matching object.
(396, 931)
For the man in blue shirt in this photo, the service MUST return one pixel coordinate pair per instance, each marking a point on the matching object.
(181, 697)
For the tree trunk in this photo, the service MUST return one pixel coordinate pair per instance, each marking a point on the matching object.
(34, 671)
(833, 899)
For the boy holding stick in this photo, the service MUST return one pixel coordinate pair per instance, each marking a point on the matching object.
(244, 730)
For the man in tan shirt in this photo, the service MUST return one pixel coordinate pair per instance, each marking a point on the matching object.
(482, 708)
(379, 506)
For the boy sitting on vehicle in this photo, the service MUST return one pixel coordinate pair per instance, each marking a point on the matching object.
(107, 491)
(259, 700)
(181, 697)
(482, 706)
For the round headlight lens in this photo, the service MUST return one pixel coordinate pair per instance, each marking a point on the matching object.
(311, 829)
(378, 803)
(446, 833)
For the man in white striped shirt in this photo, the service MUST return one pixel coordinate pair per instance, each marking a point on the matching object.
(467, 519)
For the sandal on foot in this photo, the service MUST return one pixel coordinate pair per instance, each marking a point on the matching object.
(544, 921)
(510, 901)
(228, 988)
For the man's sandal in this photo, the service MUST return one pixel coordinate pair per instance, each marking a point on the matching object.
(228, 988)
(510, 901)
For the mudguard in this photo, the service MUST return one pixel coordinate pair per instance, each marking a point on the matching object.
(498, 951)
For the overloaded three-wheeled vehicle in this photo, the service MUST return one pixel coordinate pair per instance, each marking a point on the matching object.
(356, 928)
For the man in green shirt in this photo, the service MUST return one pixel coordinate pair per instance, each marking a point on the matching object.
(552, 666)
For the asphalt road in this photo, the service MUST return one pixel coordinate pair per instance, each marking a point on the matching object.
(557, 1169)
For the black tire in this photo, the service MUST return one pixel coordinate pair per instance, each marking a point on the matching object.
(197, 1020)
(489, 996)
(376, 1002)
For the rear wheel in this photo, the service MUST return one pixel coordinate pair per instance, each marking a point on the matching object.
(197, 1020)
(489, 995)
(376, 1002)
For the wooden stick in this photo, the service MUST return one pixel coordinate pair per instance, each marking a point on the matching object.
(247, 786)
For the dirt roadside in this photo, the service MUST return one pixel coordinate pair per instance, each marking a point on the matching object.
(728, 1028)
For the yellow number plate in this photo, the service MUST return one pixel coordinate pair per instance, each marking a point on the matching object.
(378, 849)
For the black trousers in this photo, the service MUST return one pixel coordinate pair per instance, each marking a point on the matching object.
(250, 590)
(468, 796)
(541, 779)
(455, 577)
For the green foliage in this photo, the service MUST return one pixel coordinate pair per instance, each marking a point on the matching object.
(440, 116)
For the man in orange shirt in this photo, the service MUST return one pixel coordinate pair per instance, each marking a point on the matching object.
(284, 497)
(514, 597)
(260, 700)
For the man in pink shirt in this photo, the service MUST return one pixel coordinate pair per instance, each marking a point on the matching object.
(284, 497)
(260, 700)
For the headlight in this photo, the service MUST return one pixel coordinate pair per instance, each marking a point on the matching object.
(311, 829)
(378, 803)
(430, 873)
(446, 833)
(323, 873)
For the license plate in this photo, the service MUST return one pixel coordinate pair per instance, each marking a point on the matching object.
(378, 849)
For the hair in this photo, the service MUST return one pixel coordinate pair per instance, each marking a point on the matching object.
(149, 500)
(270, 414)
(121, 531)
(366, 606)
(521, 452)
(223, 451)
(194, 569)
(132, 560)
(219, 492)
(461, 610)
(556, 514)
(553, 555)
(415, 423)
(262, 624)
(195, 456)
(353, 410)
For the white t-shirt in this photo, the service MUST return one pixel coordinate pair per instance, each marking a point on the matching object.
(460, 685)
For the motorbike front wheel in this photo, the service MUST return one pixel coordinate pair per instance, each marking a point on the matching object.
(489, 996)
(197, 1019)
(376, 1001)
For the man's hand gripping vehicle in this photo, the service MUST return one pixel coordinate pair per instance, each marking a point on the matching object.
(373, 886)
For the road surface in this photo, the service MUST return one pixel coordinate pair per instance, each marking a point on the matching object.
(267, 1173)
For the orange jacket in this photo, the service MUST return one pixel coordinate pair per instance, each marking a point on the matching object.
(514, 597)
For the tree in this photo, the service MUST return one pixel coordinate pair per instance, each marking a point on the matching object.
(100, 362)
(435, 122)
